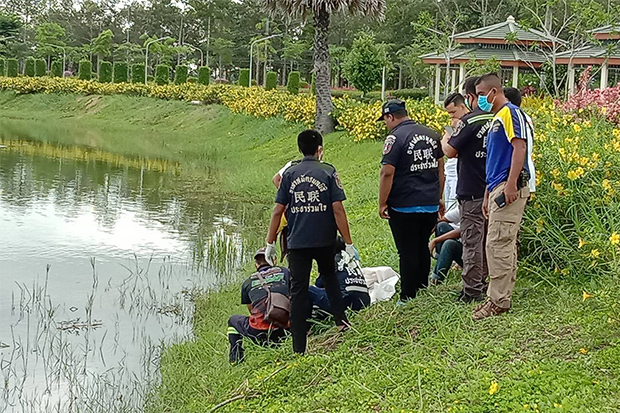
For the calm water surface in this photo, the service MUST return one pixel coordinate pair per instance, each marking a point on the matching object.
(100, 258)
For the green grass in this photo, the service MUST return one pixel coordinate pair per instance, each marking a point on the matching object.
(554, 352)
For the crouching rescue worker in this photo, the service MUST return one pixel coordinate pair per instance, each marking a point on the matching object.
(261, 292)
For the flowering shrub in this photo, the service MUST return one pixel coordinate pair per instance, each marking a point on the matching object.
(594, 102)
(573, 222)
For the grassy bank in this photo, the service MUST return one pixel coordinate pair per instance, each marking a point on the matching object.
(557, 351)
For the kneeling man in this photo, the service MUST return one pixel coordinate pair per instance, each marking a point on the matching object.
(254, 295)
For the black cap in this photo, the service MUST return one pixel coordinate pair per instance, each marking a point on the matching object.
(391, 106)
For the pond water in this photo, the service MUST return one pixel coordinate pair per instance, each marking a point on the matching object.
(100, 257)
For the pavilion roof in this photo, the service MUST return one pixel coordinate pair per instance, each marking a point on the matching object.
(591, 54)
(507, 56)
(499, 32)
(609, 32)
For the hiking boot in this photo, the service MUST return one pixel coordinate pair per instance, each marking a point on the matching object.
(487, 309)
(468, 299)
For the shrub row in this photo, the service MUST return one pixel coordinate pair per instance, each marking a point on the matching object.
(357, 118)
(108, 72)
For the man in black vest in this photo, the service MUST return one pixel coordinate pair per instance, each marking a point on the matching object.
(468, 143)
(311, 194)
(410, 188)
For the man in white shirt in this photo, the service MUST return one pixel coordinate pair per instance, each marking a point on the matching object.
(447, 244)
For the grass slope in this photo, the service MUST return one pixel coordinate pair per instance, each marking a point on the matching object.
(554, 352)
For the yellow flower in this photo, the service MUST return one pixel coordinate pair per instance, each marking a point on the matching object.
(585, 295)
(576, 127)
(493, 388)
(581, 243)
(595, 253)
(583, 350)
(615, 238)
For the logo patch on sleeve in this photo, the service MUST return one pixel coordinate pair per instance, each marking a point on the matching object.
(459, 127)
(337, 179)
(389, 143)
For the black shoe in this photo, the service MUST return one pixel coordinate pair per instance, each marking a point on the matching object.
(468, 299)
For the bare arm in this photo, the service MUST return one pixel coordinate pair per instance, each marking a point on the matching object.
(277, 179)
(442, 183)
(386, 180)
(442, 175)
(454, 234)
(518, 159)
(276, 217)
(342, 222)
(447, 149)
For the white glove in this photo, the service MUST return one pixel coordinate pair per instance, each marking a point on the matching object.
(352, 252)
(270, 253)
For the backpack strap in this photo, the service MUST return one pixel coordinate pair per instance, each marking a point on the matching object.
(263, 281)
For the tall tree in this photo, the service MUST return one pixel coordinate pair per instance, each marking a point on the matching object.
(321, 11)
(47, 36)
(9, 25)
(102, 45)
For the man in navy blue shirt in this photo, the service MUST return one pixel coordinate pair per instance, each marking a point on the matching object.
(311, 194)
(410, 188)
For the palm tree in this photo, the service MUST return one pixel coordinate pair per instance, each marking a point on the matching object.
(321, 12)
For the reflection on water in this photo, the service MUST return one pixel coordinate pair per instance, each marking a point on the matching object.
(100, 257)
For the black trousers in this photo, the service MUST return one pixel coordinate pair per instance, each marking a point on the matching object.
(411, 234)
(239, 327)
(300, 264)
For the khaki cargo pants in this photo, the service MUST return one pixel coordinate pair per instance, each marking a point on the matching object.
(502, 245)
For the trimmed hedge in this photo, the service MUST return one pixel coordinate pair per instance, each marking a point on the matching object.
(85, 70)
(204, 75)
(293, 83)
(271, 82)
(105, 72)
(40, 68)
(29, 68)
(180, 74)
(121, 72)
(12, 68)
(244, 77)
(2, 66)
(56, 69)
(137, 73)
(162, 74)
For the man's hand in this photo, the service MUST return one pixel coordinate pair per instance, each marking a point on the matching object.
(431, 246)
(383, 211)
(442, 208)
(352, 252)
(511, 192)
(485, 205)
(270, 253)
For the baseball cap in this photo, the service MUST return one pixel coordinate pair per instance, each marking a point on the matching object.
(261, 251)
(391, 106)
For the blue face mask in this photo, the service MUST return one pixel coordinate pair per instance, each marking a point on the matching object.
(484, 104)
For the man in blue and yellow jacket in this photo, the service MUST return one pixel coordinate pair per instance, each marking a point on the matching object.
(507, 176)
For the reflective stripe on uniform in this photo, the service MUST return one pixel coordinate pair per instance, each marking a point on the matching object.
(357, 289)
(478, 118)
(232, 330)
